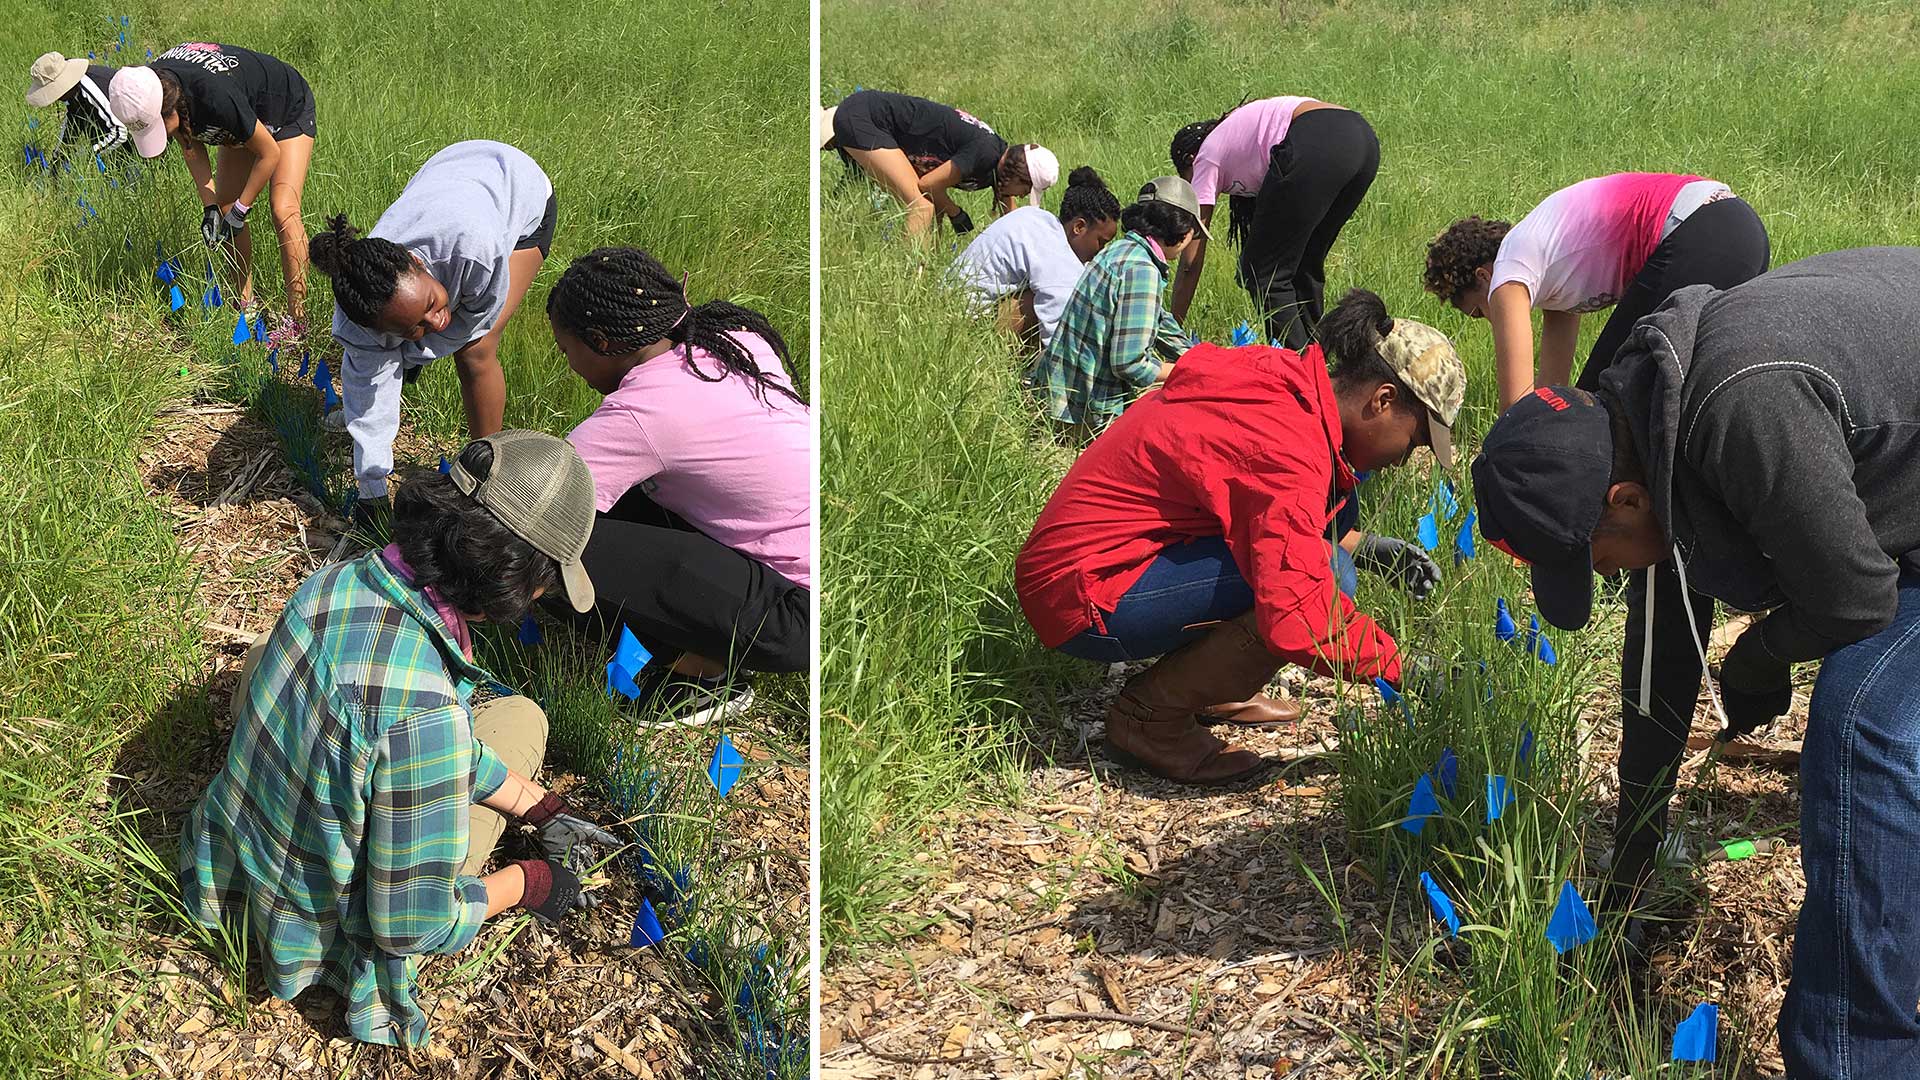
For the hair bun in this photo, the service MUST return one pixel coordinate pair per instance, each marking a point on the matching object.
(1085, 176)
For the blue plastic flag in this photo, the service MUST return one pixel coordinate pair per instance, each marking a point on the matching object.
(1392, 697)
(1443, 502)
(209, 270)
(210, 298)
(725, 767)
(322, 378)
(166, 273)
(1499, 797)
(329, 400)
(446, 467)
(1441, 903)
(306, 360)
(33, 123)
(1447, 772)
(1537, 644)
(273, 361)
(1698, 1036)
(529, 628)
(149, 54)
(174, 298)
(646, 927)
(1429, 533)
(629, 656)
(100, 161)
(89, 54)
(126, 20)
(242, 333)
(1571, 924)
(1503, 626)
(260, 330)
(1463, 545)
(1421, 806)
(1526, 745)
(1244, 335)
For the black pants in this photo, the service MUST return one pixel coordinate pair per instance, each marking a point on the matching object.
(1721, 244)
(1315, 180)
(679, 590)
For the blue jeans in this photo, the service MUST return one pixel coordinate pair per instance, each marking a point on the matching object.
(1850, 1009)
(1188, 584)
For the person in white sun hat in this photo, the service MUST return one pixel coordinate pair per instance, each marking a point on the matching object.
(82, 87)
(260, 112)
(920, 150)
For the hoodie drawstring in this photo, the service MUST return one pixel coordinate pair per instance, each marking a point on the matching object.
(1693, 631)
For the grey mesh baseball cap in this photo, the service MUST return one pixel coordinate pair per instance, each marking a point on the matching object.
(1175, 192)
(1424, 359)
(541, 490)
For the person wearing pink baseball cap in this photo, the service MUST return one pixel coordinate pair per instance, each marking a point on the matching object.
(260, 112)
(920, 150)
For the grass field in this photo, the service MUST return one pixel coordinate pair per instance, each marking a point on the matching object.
(666, 127)
(938, 707)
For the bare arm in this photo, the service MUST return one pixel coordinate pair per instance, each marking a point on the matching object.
(266, 158)
(200, 168)
(504, 888)
(1187, 279)
(1511, 313)
(483, 387)
(934, 186)
(1559, 331)
(515, 797)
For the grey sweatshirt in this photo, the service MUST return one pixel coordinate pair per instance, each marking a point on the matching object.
(1779, 422)
(461, 214)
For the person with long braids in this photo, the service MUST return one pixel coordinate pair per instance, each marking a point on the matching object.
(1295, 170)
(700, 459)
(919, 150)
(260, 112)
(1025, 264)
(443, 271)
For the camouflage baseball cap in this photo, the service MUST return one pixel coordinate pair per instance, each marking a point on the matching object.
(1424, 359)
(540, 489)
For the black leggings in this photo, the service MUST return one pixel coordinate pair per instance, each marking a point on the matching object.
(679, 590)
(1315, 180)
(1721, 244)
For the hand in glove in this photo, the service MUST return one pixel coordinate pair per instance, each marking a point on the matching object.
(552, 891)
(234, 220)
(961, 222)
(564, 838)
(1390, 557)
(211, 225)
(1755, 688)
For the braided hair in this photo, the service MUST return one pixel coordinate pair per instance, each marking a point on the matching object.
(365, 270)
(173, 99)
(1186, 141)
(619, 300)
(1088, 197)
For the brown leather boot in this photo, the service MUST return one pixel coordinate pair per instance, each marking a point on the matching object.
(1258, 711)
(1155, 722)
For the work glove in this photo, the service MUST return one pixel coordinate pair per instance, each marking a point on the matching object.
(961, 222)
(211, 225)
(1390, 557)
(565, 838)
(552, 891)
(235, 219)
(1755, 688)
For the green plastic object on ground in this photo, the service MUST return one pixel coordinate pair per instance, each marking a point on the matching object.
(1737, 849)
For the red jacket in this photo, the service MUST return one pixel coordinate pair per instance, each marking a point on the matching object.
(1242, 443)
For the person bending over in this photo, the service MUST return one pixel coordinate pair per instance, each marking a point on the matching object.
(1026, 263)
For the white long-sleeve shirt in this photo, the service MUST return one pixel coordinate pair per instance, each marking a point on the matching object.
(1023, 250)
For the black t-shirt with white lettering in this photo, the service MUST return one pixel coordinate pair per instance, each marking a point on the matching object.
(931, 133)
(229, 89)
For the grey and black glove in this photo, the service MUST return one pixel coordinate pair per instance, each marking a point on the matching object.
(210, 225)
(565, 838)
(234, 220)
(1755, 688)
(1391, 557)
(552, 891)
(961, 222)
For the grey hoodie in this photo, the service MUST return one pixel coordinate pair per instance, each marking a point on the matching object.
(1779, 422)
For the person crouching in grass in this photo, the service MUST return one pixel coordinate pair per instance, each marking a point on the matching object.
(1115, 338)
(1026, 263)
(701, 457)
(363, 792)
(1202, 528)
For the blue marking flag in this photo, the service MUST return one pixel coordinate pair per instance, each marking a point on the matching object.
(100, 161)
(726, 766)
(1244, 335)
(260, 329)
(1392, 697)
(1537, 644)
(1463, 546)
(1499, 797)
(1421, 806)
(1443, 502)
(1447, 772)
(1698, 1036)
(210, 298)
(629, 656)
(1441, 903)
(1571, 924)
(173, 297)
(322, 378)
(1429, 532)
(646, 927)
(446, 467)
(1503, 625)
(306, 358)
(529, 630)
(242, 333)
(329, 400)
(1526, 745)
(166, 272)
(273, 361)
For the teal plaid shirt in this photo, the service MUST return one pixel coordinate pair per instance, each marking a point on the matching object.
(1108, 345)
(339, 824)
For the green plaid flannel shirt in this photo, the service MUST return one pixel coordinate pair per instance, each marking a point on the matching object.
(1110, 338)
(338, 827)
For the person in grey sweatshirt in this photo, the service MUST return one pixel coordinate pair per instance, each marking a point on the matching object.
(1766, 439)
(441, 272)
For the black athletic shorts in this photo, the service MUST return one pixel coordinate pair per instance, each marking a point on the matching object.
(303, 122)
(542, 237)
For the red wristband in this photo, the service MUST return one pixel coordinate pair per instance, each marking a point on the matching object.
(539, 882)
(544, 810)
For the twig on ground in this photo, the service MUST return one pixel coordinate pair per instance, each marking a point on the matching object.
(913, 1059)
(1119, 1018)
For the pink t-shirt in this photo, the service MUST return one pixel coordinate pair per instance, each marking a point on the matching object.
(1233, 160)
(735, 467)
(1581, 247)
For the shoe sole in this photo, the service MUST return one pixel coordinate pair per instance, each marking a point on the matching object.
(1126, 760)
(730, 709)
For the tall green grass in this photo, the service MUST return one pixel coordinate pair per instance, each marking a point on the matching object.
(1480, 108)
(676, 129)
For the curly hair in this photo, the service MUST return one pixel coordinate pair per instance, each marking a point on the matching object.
(458, 547)
(1163, 222)
(619, 300)
(1463, 248)
(365, 270)
(1088, 197)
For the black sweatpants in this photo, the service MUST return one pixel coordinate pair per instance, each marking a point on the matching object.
(1315, 180)
(1722, 244)
(679, 590)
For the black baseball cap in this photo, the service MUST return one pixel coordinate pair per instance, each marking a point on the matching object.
(1539, 486)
